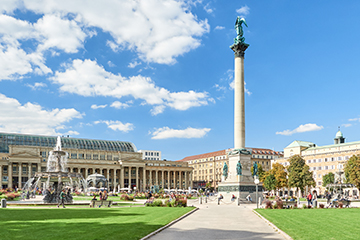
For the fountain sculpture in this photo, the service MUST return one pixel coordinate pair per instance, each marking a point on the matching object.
(56, 178)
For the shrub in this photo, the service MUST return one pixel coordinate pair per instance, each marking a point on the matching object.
(126, 197)
(340, 205)
(155, 203)
(279, 204)
(275, 205)
(304, 206)
(268, 204)
(321, 205)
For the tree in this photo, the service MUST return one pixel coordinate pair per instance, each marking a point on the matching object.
(299, 174)
(278, 171)
(270, 182)
(352, 171)
(328, 179)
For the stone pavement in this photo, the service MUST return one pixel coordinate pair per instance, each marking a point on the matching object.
(225, 221)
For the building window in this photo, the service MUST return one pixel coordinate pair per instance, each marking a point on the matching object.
(73, 155)
(81, 156)
(309, 161)
(88, 156)
(109, 157)
(319, 183)
(5, 170)
(95, 156)
(326, 159)
(319, 160)
(102, 156)
(339, 158)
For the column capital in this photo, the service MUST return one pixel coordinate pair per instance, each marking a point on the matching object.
(239, 49)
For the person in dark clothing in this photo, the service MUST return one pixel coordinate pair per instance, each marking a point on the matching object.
(62, 198)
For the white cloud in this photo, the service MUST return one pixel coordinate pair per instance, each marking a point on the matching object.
(71, 133)
(157, 30)
(94, 106)
(111, 64)
(166, 132)
(134, 64)
(87, 78)
(243, 11)
(309, 127)
(36, 85)
(117, 125)
(346, 125)
(32, 118)
(208, 9)
(120, 105)
(354, 119)
(219, 28)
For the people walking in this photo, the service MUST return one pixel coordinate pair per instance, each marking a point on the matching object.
(62, 199)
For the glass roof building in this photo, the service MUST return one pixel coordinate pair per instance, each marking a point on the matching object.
(7, 139)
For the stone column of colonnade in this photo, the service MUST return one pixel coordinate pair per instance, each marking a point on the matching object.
(174, 178)
(144, 179)
(162, 179)
(10, 185)
(29, 172)
(114, 179)
(180, 180)
(150, 178)
(129, 177)
(108, 177)
(156, 178)
(186, 180)
(20, 176)
(122, 177)
(137, 179)
(168, 180)
(1, 170)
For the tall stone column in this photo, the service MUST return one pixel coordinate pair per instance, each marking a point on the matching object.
(168, 180)
(186, 180)
(108, 177)
(1, 178)
(239, 95)
(114, 179)
(39, 167)
(86, 172)
(180, 180)
(20, 176)
(10, 172)
(137, 179)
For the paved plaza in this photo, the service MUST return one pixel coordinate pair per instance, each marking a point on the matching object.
(227, 221)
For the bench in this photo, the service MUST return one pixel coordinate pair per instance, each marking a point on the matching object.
(344, 202)
(289, 204)
(99, 203)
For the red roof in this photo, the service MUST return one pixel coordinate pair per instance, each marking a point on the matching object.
(223, 152)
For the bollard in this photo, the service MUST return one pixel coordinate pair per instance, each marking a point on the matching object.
(315, 204)
(238, 201)
(205, 199)
(3, 203)
(200, 200)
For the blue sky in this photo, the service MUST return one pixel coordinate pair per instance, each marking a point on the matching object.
(159, 73)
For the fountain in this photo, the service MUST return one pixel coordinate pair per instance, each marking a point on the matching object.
(56, 178)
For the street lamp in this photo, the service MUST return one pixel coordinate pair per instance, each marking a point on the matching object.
(256, 181)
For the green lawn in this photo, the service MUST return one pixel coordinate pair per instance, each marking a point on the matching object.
(316, 223)
(84, 223)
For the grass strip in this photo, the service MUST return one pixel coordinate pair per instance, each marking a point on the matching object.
(316, 223)
(85, 223)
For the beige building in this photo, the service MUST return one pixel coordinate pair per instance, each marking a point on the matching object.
(23, 155)
(208, 167)
(323, 159)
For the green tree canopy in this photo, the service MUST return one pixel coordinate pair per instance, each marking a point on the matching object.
(352, 171)
(270, 182)
(328, 179)
(299, 174)
(278, 171)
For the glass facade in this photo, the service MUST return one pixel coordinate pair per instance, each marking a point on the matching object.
(7, 139)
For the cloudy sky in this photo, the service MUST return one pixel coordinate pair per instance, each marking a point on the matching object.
(160, 73)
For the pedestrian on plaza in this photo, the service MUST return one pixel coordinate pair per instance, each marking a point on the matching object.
(309, 199)
(220, 198)
(62, 199)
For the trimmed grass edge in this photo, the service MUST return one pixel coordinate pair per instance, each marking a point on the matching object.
(285, 235)
(168, 225)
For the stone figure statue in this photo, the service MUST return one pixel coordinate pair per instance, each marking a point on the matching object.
(255, 166)
(225, 170)
(238, 169)
(239, 30)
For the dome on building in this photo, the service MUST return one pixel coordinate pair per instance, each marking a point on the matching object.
(339, 134)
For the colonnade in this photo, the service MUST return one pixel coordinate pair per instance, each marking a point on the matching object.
(141, 177)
